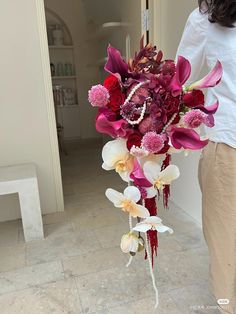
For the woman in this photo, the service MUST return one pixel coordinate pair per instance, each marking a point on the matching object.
(210, 35)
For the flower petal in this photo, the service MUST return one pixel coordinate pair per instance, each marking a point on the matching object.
(112, 128)
(183, 71)
(114, 151)
(209, 109)
(186, 138)
(125, 176)
(115, 64)
(106, 167)
(151, 192)
(138, 176)
(129, 243)
(169, 174)
(132, 193)
(142, 227)
(153, 220)
(161, 228)
(151, 170)
(210, 80)
(140, 211)
(115, 197)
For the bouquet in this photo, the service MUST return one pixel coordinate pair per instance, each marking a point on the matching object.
(146, 108)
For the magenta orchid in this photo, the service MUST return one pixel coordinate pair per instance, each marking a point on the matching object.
(106, 125)
(210, 80)
(115, 64)
(186, 138)
(183, 71)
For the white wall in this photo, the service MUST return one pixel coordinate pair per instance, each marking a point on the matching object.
(24, 126)
(172, 16)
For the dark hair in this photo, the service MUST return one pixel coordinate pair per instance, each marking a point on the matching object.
(222, 12)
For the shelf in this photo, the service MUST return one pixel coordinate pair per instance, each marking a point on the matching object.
(61, 47)
(64, 77)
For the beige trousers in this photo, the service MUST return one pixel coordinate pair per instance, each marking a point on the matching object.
(217, 178)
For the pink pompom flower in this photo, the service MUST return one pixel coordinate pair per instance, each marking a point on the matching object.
(98, 96)
(193, 119)
(153, 142)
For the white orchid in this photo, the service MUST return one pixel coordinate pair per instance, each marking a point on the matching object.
(130, 243)
(158, 178)
(127, 201)
(152, 223)
(116, 157)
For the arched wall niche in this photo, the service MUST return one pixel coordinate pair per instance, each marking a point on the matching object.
(53, 18)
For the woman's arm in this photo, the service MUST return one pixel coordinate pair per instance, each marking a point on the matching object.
(193, 42)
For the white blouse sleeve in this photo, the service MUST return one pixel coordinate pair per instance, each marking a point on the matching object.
(193, 42)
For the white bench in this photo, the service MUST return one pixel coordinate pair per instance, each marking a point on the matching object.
(22, 179)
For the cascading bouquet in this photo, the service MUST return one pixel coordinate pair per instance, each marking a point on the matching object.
(150, 114)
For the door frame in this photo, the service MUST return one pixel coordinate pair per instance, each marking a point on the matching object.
(43, 42)
(155, 22)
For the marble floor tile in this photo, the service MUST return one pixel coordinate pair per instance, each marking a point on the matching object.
(12, 257)
(55, 218)
(185, 268)
(110, 236)
(194, 299)
(62, 243)
(147, 306)
(114, 287)
(107, 215)
(30, 276)
(191, 240)
(60, 297)
(93, 262)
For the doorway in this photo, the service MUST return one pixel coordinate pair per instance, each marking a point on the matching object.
(79, 32)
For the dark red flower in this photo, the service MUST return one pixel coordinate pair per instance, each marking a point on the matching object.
(134, 139)
(168, 67)
(171, 105)
(194, 98)
(116, 100)
(111, 83)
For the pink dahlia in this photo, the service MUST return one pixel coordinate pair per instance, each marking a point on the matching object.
(153, 142)
(98, 96)
(193, 119)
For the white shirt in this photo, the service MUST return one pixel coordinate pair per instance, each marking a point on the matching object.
(203, 43)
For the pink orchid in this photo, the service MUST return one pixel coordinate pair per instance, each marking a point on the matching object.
(212, 79)
(183, 71)
(109, 127)
(186, 138)
(137, 175)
